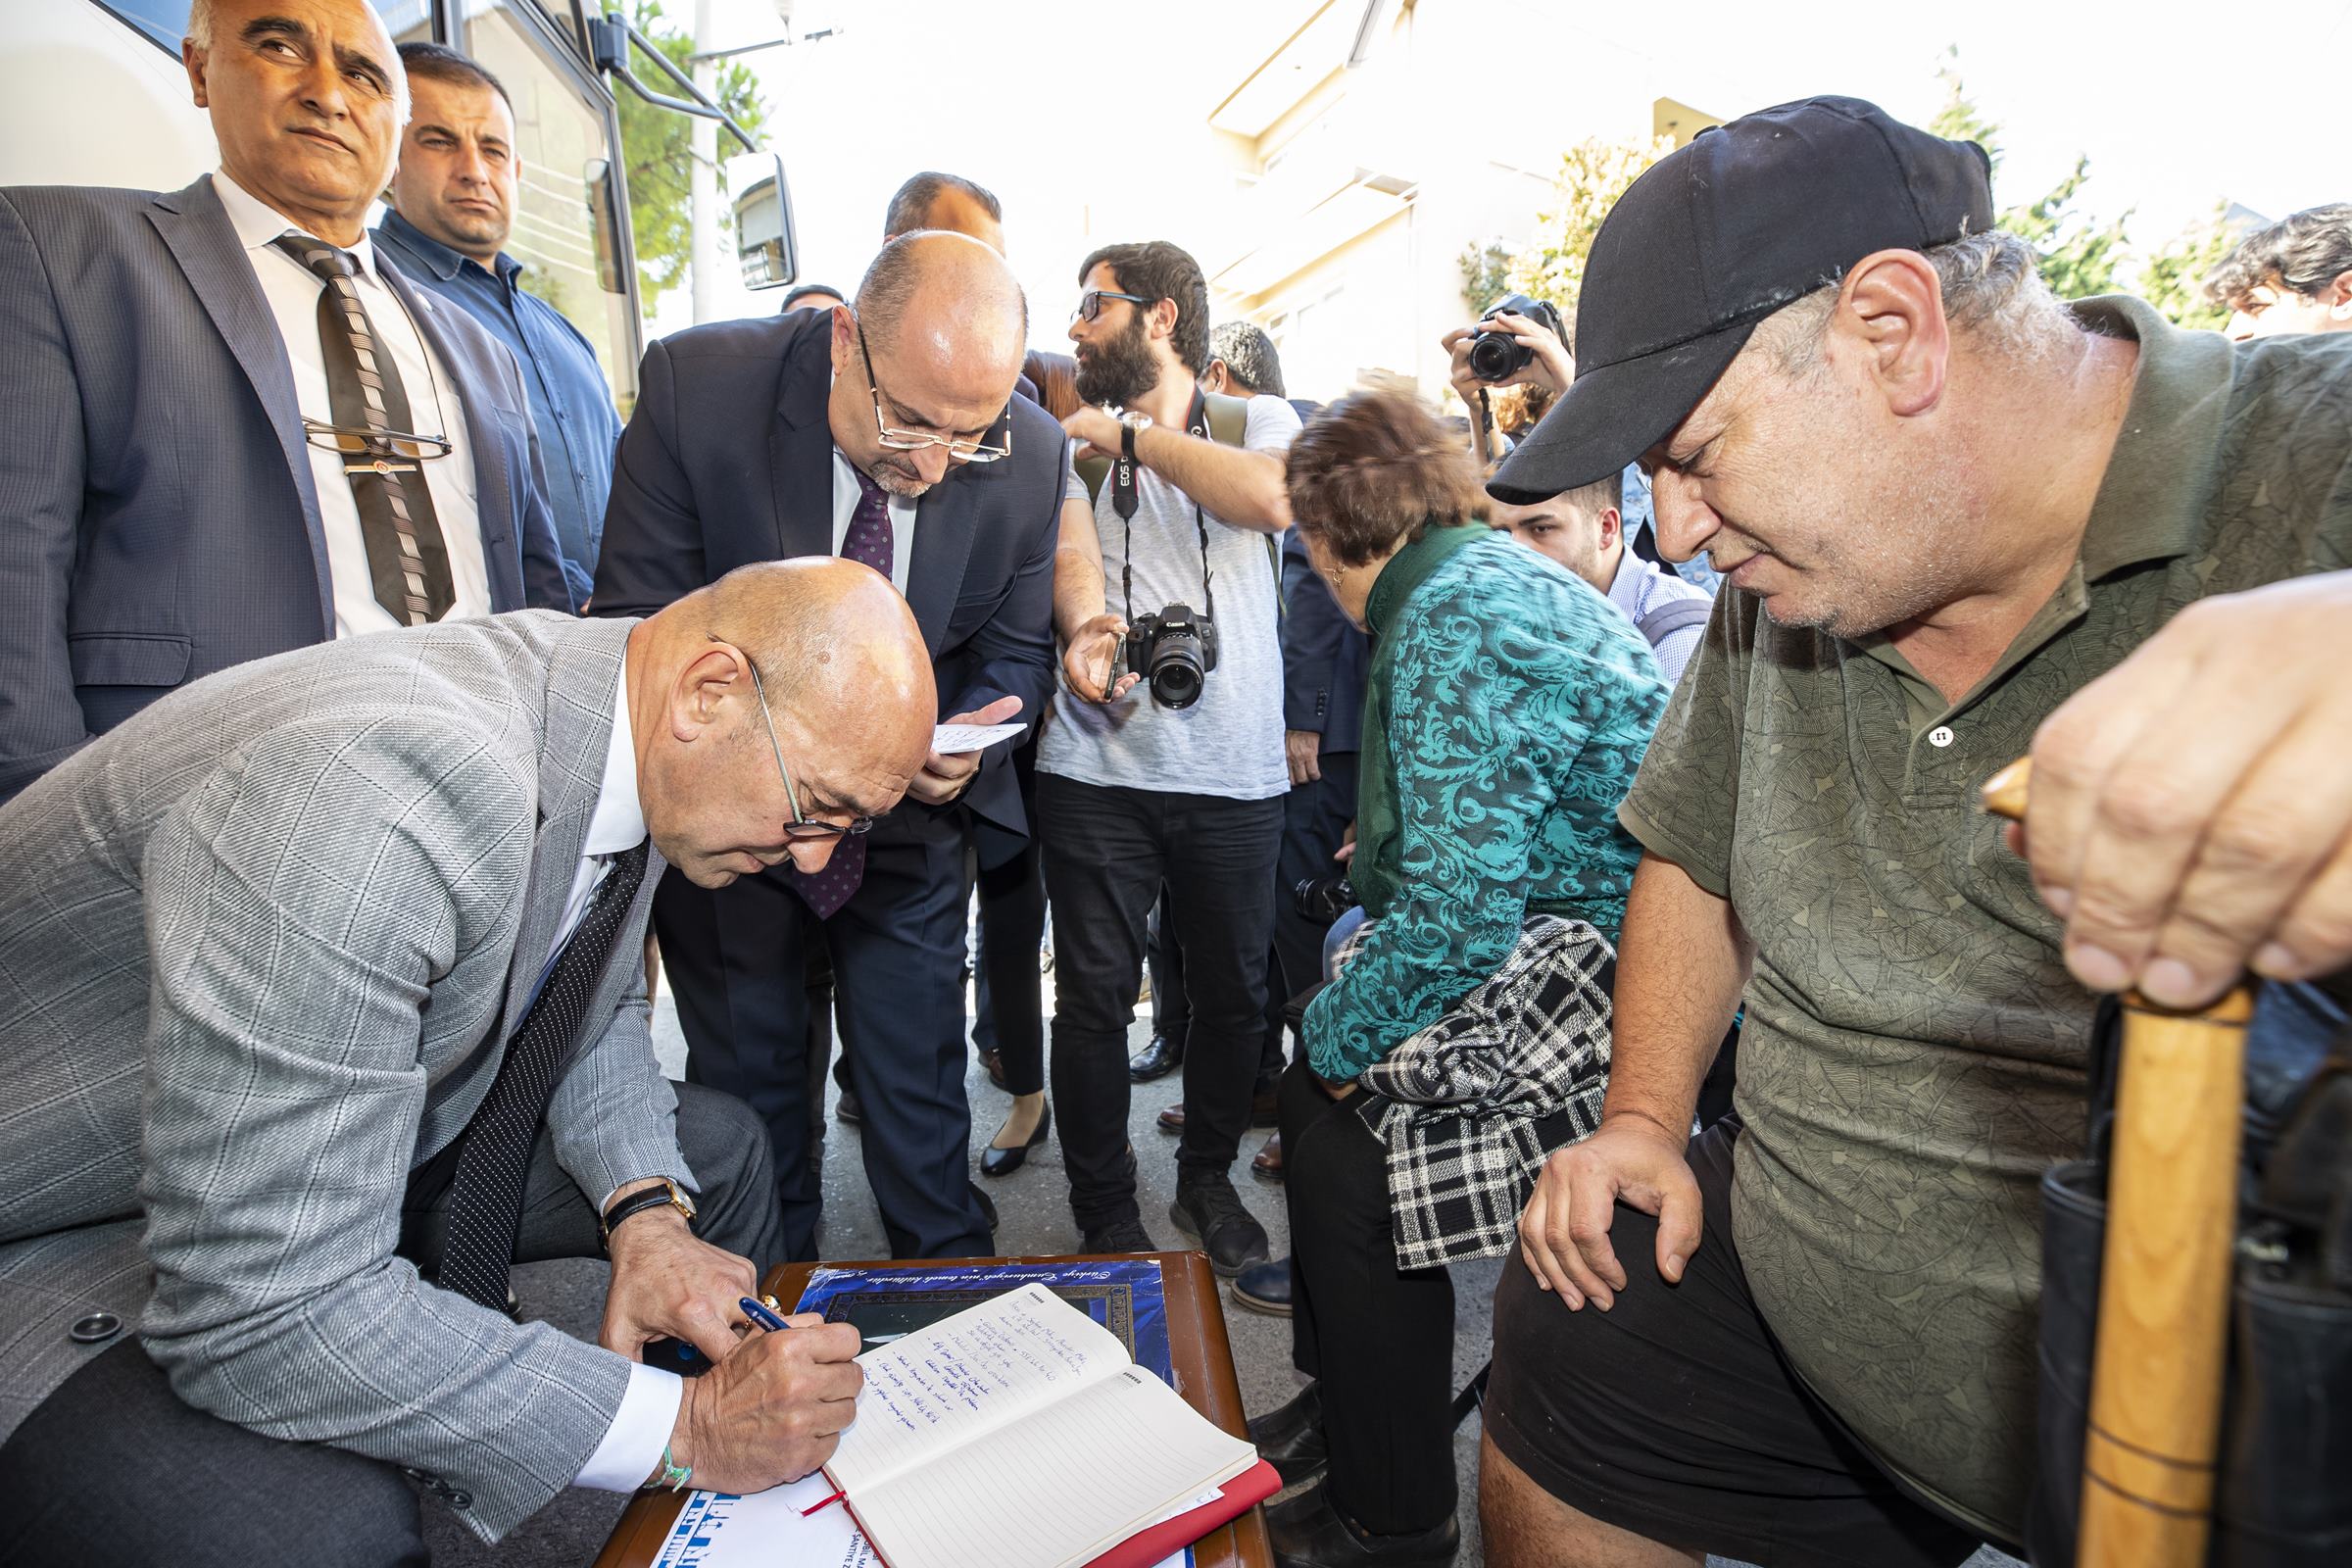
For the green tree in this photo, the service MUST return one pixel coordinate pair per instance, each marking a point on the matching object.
(1591, 175)
(2079, 256)
(2170, 280)
(657, 147)
(1486, 274)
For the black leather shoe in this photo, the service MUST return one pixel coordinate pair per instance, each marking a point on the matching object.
(1158, 1060)
(847, 1110)
(1210, 1211)
(1308, 1532)
(1120, 1236)
(996, 1161)
(1265, 1288)
(1290, 1439)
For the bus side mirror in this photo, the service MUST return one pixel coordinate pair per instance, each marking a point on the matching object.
(764, 236)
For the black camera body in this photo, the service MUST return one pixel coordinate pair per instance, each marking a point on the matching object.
(1322, 900)
(1496, 354)
(1173, 650)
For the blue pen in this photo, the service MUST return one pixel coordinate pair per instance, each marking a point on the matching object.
(758, 1313)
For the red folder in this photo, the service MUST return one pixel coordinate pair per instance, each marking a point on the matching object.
(1235, 1497)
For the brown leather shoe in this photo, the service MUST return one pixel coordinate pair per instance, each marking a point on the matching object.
(1268, 1161)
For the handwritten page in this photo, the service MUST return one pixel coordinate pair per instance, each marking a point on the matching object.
(953, 740)
(767, 1530)
(1059, 1487)
(967, 1376)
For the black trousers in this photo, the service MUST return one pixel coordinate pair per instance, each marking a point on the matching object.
(736, 959)
(1107, 852)
(1378, 1341)
(112, 1470)
(1010, 1003)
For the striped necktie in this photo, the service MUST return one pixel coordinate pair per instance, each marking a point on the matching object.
(408, 560)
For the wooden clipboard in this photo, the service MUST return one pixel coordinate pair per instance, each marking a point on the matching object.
(1198, 1352)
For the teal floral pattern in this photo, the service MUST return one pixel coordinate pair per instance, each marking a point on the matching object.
(1512, 703)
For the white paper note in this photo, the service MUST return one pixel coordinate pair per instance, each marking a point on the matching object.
(767, 1530)
(953, 740)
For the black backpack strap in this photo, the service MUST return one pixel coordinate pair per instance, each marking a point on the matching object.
(1679, 615)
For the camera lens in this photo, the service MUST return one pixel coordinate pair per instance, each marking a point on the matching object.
(1176, 673)
(1496, 354)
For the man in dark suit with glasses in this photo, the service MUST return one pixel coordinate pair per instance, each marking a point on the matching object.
(889, 433)
(236, 431)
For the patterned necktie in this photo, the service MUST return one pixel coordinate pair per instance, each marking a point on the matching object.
(870, 543)
(408, 560)
(485, 1195)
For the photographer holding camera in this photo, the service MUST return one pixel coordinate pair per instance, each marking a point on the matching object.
(1177, 775)
(1517, 342)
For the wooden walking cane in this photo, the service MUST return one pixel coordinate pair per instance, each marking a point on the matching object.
(2148, 1460)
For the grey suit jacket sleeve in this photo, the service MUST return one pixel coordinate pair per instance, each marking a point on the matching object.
(41, 475)
(299, 905)
(613, 1119)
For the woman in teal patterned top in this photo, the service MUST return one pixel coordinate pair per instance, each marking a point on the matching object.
(1507, 707)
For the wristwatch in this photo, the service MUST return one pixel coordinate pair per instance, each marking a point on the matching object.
(667, 1195)
(1129, 423)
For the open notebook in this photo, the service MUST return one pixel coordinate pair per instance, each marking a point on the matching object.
(1017, 1434)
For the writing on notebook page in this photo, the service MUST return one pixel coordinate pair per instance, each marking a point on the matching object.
(978, 1369)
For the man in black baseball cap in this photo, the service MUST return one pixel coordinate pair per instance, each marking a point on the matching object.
(1958, 520)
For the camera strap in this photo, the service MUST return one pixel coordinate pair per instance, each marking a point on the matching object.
(1124, 500)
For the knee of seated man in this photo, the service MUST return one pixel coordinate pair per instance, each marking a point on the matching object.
(724, 1139)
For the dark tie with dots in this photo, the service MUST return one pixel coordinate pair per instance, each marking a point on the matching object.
(408, 562)
(485, 1195)
(869, 543)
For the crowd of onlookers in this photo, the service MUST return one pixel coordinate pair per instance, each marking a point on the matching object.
(1482, 844)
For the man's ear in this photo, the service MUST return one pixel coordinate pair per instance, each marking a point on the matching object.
(698, 696)
(1612, 526)
(2339, 296)
(1889, 322)
(845, 337)
(192, 57)
(1163, 318)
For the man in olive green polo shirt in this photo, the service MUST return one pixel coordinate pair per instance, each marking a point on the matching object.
(1958, 521)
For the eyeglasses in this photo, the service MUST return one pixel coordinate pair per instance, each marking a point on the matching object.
(376, 447)
(1090, 302)
(800, 827)
(959, 449)
(370, 449)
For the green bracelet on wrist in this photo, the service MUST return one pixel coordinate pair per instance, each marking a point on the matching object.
(674, 1476)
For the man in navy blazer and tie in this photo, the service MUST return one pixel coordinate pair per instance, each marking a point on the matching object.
(888, 433)
(233, 430)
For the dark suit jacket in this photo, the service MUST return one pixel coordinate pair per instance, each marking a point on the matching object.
(158, 518)
(1323, 658)
(728, 460)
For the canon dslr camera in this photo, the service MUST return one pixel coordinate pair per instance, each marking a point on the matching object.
(1174, 651)
(1496, 354)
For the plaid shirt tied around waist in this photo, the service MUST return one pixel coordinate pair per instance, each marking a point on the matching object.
(1480, 1099)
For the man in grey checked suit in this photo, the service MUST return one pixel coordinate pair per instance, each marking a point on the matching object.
(172, 502)
(265, 951)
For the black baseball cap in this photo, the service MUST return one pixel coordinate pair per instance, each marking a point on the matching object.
(1718, 235)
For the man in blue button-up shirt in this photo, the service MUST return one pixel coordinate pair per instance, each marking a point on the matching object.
(453, 197)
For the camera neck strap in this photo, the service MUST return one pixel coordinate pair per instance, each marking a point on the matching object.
(1123, 501)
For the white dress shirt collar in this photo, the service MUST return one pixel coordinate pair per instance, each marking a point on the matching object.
(258, 223)
(618, 822)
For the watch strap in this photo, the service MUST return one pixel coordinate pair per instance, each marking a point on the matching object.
(663, 1195)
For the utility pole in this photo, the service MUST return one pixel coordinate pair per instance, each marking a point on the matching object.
(702, 213)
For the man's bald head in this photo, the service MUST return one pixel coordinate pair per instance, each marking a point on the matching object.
(822, 651)
(935, 344)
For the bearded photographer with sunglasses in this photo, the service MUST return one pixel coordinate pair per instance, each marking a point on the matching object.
(887, 433)
(1171, 767)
